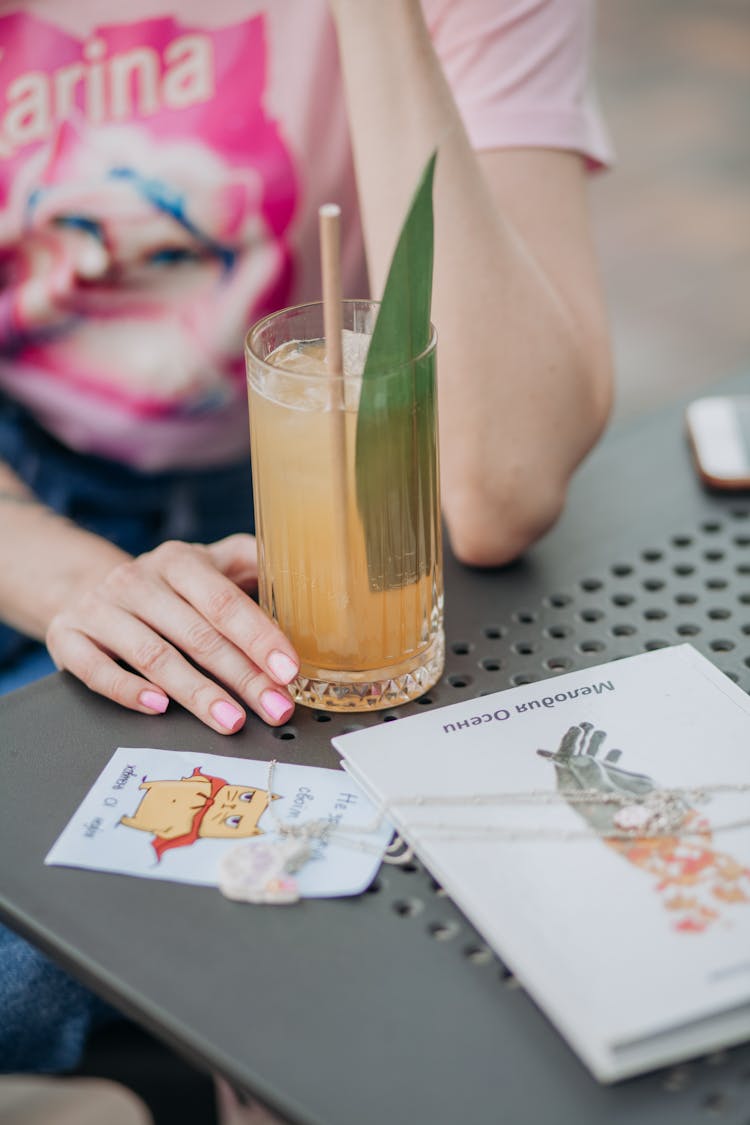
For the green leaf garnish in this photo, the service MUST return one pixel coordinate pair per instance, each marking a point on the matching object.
(395, 465)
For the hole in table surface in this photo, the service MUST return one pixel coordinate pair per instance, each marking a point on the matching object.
(715, 1103)
(524, 617)
(558, 632)
(408, 907)
(493, 632)
(592, 646)
(443, 931)
(479, 955)
(677, 1079)
(286, 734)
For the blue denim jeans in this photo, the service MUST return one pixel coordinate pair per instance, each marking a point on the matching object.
(45, 1016)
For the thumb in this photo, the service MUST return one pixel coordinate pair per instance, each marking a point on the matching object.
(237, 558)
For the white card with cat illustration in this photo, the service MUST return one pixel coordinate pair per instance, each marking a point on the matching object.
(166, 814)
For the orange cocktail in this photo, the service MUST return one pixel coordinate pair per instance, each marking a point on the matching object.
(356, 590)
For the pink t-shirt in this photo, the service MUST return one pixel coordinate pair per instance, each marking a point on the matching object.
(160, 176)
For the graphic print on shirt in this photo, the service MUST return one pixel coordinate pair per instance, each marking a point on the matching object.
(180, 812)
(145, 197)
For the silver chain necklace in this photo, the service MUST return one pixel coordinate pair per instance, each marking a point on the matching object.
(264, 871)
(659, 814)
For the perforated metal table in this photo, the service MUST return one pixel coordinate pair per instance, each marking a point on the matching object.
(389, 1007)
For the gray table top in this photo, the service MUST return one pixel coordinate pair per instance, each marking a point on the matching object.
(389, 1006)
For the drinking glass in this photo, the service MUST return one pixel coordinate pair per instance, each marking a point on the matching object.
(347, 510)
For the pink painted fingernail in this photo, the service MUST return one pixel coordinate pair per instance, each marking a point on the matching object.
(276, 705)
(226, 714)
(282, 667)
(154, 700)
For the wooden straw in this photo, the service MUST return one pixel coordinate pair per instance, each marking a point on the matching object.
(329, 227)
(329, 219)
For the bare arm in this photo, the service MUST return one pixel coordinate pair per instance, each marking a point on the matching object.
(44, 559)
(176, 616)
(523, 354)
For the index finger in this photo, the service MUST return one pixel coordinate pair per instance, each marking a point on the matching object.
(191, 573)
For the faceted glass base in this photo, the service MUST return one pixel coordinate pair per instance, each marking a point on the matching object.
(373, 690)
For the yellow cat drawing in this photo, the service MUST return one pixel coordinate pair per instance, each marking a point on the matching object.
(179, 812)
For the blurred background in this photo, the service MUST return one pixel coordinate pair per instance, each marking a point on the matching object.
(673, 217)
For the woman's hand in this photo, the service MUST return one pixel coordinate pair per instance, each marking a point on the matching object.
(165, 612)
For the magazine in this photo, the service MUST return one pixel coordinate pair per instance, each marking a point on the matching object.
(595, 828)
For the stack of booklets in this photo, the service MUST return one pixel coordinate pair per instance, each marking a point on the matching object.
(595, 828)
